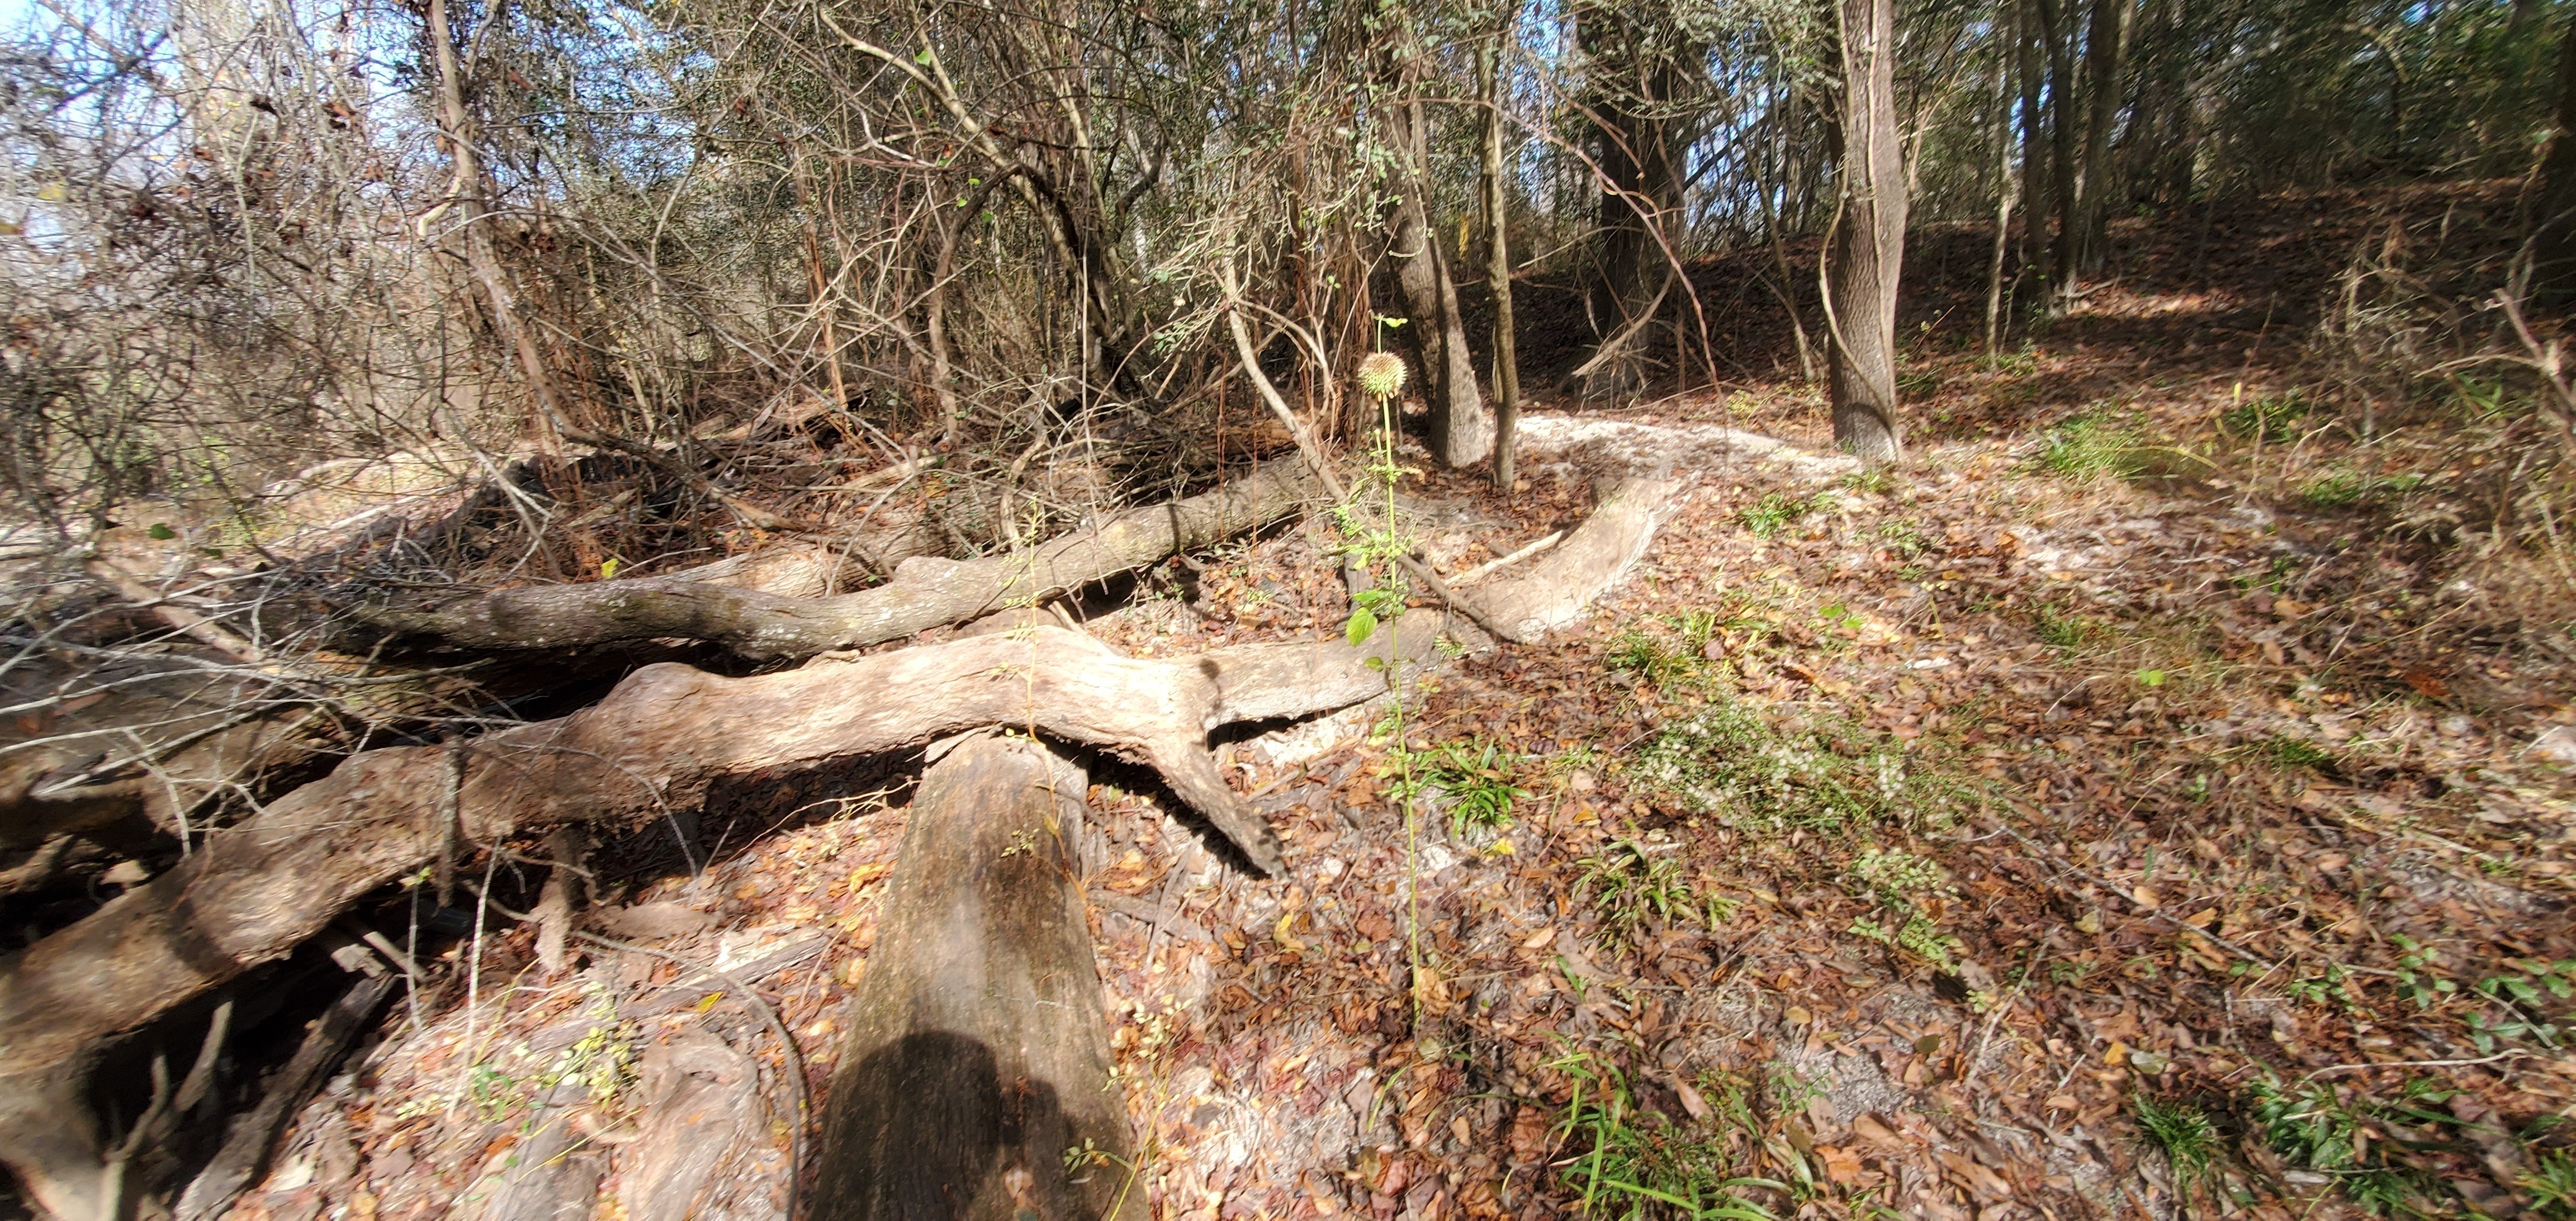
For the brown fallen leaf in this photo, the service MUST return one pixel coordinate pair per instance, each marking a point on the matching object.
(2426, 683)
(1842, 1165)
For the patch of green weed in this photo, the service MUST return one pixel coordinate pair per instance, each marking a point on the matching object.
(1631, 880)
(2314, 1129)
(2295, 752)
(2551, 1184)
(1635, 1165)
(2270, 419)
(1665, 650)
(2349, 489)
(2065, 629)
(2185, 1135)
(2091, 446)
(1777, 511)
(1474, 778)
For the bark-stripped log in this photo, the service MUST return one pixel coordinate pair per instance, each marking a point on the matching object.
(978, 1055)
(254, 892)
(924, 593)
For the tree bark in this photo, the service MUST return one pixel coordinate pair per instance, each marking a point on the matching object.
(2553, 239)
(924, 593)
(1498, 258)
(2036, 184)
(978, 1055)
(1865, 257)
(2062, 115)
(1461, 434)
(2004, 192)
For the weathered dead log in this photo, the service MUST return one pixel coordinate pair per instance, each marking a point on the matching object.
(254, 892)
(977, 1063)
(924, 593)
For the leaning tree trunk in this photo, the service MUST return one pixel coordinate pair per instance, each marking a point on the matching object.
(975, 1080)
(1461, 433)
(1868, 250)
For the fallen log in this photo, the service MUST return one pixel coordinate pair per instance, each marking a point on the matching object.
(975, 1079)
(255, 891)
(924, 593)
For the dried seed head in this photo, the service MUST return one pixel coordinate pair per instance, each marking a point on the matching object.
(1381, 375)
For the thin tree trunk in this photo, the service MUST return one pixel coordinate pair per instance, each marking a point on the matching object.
(469, 189)
(1866, 254)
(1498, 259)
(2106, 54)
(2003, 187)
(1773, 218)
(2062, 115)
(2035, 185)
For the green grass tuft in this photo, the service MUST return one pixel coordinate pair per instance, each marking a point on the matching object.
(2089, 447)
(2188, 1139)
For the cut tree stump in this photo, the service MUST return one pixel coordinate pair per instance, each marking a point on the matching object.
(978, 1057)
(925, 593)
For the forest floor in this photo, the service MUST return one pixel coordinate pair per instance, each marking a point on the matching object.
(2152, 798)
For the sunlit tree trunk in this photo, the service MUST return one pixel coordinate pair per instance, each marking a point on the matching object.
(1865, 257)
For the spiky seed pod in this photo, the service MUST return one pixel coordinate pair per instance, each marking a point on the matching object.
(1382, 374)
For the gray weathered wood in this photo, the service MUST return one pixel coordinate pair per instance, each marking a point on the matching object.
(977, 1053)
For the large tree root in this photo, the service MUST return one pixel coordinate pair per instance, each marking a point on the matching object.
(977, 1063)
(256, 891)
(924, 593)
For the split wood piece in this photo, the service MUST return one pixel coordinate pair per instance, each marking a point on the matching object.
(924, 593)
(1557, 587)
(978, 1056)
(251, 1139)
(650, 749)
